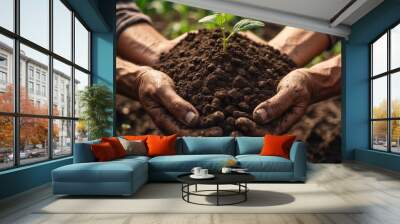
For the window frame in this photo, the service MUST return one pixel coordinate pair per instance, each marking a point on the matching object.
(388, 74)
(16, 114)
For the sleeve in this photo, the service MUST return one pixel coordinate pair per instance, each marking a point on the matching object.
(127, 14)
(332, 40)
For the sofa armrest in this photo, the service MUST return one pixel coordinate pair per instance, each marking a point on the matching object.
(83, 152)
(299, 159)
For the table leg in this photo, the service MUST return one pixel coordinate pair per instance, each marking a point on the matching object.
(217, 194)
(188, 189)
(196, 187)
(245, 193)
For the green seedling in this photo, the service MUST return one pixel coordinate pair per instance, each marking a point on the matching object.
(220, 20)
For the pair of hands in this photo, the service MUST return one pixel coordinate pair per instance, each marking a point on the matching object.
(172, 114)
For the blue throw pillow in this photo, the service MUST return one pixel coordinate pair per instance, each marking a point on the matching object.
(249, 145)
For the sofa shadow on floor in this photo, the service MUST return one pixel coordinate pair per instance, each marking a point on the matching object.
(257, 198)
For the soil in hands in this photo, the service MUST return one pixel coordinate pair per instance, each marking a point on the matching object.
(224, 85)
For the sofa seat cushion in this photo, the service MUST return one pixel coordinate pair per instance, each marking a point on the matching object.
(133, 157)
(113, 171)
(185, 163)
(257, 163)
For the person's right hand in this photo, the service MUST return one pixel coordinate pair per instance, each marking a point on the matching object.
(155, 91)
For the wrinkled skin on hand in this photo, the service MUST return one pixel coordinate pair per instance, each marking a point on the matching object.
(287, 106)
(295, 92)
(155, 90)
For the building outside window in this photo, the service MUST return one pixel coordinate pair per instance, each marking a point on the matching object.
(37, 75)
(44, 77)
(385, 91)
(43, 90)
(30, 72)
(30, 87)
(34, 83)
(3, 72)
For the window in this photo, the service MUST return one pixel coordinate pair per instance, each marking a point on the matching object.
(3, 61)
(46, 76)
(6, 73)
(81, 45)
(385, 92)
(3, 78)
(7, 14)
(62, 138)
(38, 89)
(34, 21)
(3, 72)
(30, 72)
(6, 142)
(62, 29)
(37, 74)
(81, 81)
(30, 87)
(62, 74)
(44, 91)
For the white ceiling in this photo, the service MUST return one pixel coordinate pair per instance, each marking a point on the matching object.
(320, 9)
(327, 16)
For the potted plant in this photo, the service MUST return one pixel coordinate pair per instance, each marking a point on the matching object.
(97, 110)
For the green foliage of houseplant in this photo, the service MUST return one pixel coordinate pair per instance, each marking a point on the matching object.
(96, 102)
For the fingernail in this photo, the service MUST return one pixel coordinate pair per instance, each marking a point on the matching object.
(262, 114)
(190, 117)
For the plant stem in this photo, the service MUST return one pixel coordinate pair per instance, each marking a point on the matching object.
(224, 41)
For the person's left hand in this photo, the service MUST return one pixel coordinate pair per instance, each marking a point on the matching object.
(285, 108)
(295, 92)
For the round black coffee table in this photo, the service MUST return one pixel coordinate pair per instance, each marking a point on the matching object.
(238, 179)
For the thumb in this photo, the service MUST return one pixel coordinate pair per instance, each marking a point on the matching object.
(273, 107)
(182, 110)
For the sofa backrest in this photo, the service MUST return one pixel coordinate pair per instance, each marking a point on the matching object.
(190, 146)
(206, 145)
(83, 152)
(249, 145)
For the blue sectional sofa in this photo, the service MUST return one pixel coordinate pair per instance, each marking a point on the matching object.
(125, 176)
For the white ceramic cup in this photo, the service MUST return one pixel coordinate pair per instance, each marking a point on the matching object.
(196, 171)
(203, 172)
(226, 170)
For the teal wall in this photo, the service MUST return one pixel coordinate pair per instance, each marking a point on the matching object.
(24, 178)
(99, 16)
(103, 52)
(356, 85)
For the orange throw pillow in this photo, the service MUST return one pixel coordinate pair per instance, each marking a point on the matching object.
(161, 145)
(103, 152)
(135, 137)
(277, 145)
(116, 145)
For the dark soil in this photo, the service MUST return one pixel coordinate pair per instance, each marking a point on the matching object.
(224, 85)
(132, 119)
(320, 129)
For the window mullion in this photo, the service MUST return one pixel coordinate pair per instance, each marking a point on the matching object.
(50, 81)
(389, 106)
(16, 84)
(73, 82)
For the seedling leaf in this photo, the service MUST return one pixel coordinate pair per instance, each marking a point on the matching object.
(209, 19)
(246, 24)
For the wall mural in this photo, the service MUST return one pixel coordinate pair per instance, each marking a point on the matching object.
(196, 72)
